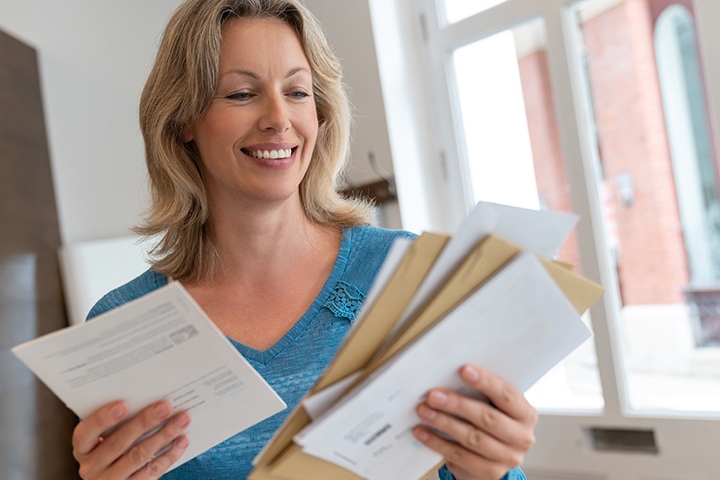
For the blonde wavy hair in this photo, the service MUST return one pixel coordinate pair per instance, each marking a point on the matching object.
(179, 89)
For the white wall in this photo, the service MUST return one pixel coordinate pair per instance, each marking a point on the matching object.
(94, 56)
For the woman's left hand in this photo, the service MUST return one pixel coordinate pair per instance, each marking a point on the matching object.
(488, 439)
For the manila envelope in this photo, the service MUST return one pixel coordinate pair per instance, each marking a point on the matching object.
(488, 257)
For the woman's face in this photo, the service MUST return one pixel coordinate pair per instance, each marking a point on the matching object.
(257, 136)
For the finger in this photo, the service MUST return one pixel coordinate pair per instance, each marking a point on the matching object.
(87, 433)
(121, 439)
(483, 417)
(158, 466)
(459, 457)
(501, 393)
(468, 436)
(145, 452)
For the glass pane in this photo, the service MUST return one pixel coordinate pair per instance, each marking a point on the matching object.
(659, 176)
(513, 154)
(456, 10)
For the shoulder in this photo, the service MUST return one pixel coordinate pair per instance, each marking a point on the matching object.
(362, 253)
(368, 240)
(145, 283)
(365, 249)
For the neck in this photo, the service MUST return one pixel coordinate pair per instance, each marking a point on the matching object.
(263, 242)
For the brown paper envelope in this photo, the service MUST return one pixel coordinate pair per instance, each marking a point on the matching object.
(363, 341)
(580, 291)
(564, 264)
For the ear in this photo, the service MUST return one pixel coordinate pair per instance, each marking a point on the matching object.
(187, 133)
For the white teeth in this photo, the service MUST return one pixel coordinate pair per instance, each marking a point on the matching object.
(282, 153)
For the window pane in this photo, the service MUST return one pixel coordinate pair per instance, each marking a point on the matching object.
(513, 157)
(659, 175)
(456, 10)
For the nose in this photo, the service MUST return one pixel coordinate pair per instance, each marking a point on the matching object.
(275, 115)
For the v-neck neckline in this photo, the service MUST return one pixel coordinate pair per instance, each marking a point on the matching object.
(266, 356)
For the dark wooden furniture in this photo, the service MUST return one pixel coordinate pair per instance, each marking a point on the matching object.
(35, 427)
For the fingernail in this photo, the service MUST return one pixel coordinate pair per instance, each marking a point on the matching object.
(182, 442)
(437, 398)
(162, 410)
(181, 420)
(470, 373)
(118, 411)
(422, 434)
(426, 413)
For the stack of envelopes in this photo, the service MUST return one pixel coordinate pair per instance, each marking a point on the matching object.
(489, 295)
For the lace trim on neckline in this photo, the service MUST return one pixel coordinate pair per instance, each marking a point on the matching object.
(345, 301)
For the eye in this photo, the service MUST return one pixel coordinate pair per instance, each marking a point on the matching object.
(299, 94)
(240, 96)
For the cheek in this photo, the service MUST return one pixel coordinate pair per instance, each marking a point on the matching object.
(311, 131)
(220, 127)
(310, 119)
(218, 123)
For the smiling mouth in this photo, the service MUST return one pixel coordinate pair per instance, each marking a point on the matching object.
(271, 154)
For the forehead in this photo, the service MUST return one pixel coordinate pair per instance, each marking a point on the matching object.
(261, 41)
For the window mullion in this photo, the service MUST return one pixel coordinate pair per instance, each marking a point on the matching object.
(580, 152)
(486, 23)
(447, 140)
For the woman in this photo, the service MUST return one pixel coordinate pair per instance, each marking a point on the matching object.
(246, 129)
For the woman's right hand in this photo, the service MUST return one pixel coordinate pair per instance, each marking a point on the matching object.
(114, 456)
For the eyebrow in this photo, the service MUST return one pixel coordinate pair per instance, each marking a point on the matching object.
(251, 74)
